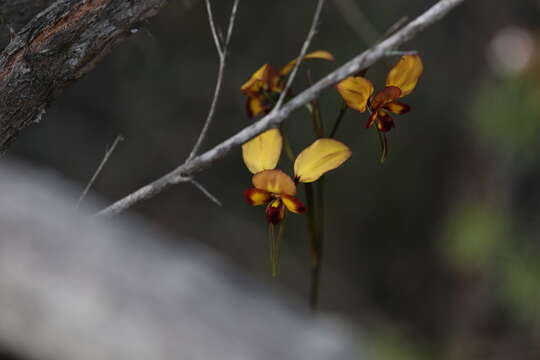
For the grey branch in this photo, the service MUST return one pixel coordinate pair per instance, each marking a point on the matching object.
(108, 154)
(57, 47)
(360, 62)
(222, 50)
(303, 52)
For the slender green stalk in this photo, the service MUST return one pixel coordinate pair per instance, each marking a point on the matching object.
(320, 213)
(384, 145)
(272, 242)
(318, 126)
(315, 109)
(311, 221)
(287, 145)
(337, 123)
(279, 237)
(314, 247)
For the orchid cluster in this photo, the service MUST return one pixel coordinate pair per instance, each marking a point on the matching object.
(357, 92)
(277, 190)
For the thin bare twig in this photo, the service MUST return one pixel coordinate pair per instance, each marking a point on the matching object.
(356, 64)
(108, 154)
(222, 50)
(311, 34)
(199, 186)
(213, 27)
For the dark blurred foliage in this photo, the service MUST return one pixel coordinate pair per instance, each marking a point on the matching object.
(435, 253)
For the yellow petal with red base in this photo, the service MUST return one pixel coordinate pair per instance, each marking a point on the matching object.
(293, 204)
(356, 92)
(262, 80)
(257, 82)
(385, 122)
(320, 157)
(385, 96)
(274, 181)
(255, 106)
(263, 151)
(319, 54)
(257, 197)
(405, 73)
(275, 212)
(397, 107)
(371, 119)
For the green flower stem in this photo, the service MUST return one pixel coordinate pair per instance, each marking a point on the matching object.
(317, 122)
(315, 109)
(384, 145)
(314, 247)
(287, 145)
(275, 240)
(314, 217)
(337, 123)
(320, 213)
(272, 242)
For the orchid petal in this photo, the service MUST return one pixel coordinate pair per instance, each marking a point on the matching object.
(371, 119)
(274, 181)
(356, 92)
(385, 96)
(263, 151)
(319, 54)
(293, 204)
(320, 157)
(385, 122)
(397, 107)
(255, 106)
(275, 212)
(405, 74)
(257, 197)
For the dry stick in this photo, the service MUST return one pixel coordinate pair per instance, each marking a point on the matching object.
(205, 192)
(222, 50)
(222, 53)
(360, 62)
(311, 34)
(99, 169)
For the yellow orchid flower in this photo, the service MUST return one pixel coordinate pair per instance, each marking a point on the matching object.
(265, 85)
(274, 188)
(401, 81)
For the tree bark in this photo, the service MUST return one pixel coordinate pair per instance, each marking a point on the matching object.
(58, 46)
(14, 14)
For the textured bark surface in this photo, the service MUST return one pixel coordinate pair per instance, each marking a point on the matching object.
(14, 14)
(73, 288)
(58, 46)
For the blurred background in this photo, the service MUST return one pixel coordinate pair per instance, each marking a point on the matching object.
(434, 253)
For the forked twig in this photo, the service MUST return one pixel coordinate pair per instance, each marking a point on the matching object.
(222, 47)
(222, 50)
